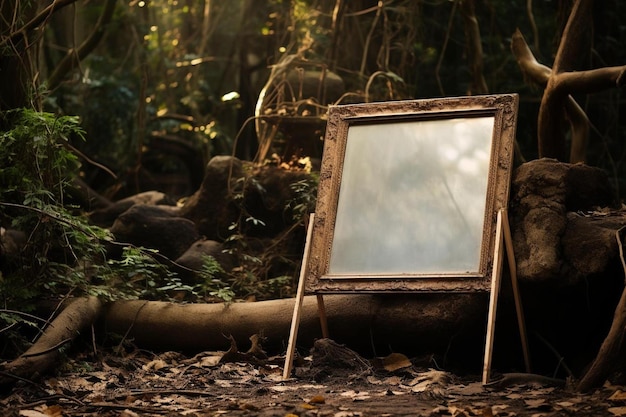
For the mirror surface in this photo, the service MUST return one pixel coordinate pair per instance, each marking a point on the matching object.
(412, 197)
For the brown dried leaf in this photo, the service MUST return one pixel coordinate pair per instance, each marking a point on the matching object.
(396, 361)
(618, 395)
(535, 403)
(317, 399)
(618, 411)
(155, 365)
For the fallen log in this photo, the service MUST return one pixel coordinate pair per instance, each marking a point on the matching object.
(410, 323)
(44, 354)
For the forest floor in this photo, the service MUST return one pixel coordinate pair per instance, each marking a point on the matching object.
(141, 383)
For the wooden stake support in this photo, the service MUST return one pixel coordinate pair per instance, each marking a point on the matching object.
(503, 243)
(297, 309)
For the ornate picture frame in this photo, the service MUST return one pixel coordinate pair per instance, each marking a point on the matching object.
(409, 194)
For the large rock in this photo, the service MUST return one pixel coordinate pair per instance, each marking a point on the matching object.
(269, 197)
(234, 194)
(213, 207)
(106, 216)
(155, 228)
(568, 262)
(544, 192)
(193, 259)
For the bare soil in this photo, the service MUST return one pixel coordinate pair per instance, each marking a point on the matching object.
(140, 383)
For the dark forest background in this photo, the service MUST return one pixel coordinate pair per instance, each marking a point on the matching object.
(167, 84)
(121, 97)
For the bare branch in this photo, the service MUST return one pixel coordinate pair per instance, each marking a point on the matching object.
(369, 36)
(538, 73)
(474, 48)
(533, 71)
(533, 25)
(74, 56)
(444, 47)
(36, 21)
(576, 30)
(591, 81)
(579, 127)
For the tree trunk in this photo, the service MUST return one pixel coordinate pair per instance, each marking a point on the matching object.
(557, 105)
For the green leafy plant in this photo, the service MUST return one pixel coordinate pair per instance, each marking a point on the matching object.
(212, 284)
(37, 166)
(304, 199)
(63, 253)
(138, 275)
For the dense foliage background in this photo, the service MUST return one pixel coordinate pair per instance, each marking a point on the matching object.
(194, 69)
(208, 60)
(138, 95)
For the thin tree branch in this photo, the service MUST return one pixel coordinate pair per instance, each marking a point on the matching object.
(74, 56)
(532, 70)
(36, 21)
(533, 25)
(579, 127)
(474, 48)
(444, 47)
(591, 81)
(576, 30)
(368, 39)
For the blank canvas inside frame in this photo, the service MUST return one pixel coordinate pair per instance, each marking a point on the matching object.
(409, 193)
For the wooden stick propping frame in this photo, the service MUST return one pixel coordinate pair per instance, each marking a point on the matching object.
(504, 242)
(493, 299)
(297, 309)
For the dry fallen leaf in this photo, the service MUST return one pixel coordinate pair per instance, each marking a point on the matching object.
(32, 413)
(373, 380)
(396, 361)
(473, 388)
(431, 381)
(356, 395)
(618, 395)
(392, 380)
(317, 399)
(618, 411)
(155, 365)
(209, 361)
(43, 411)
(457, 412)
(348, 414)
(53, 411)
(567, 404)
(535, 403)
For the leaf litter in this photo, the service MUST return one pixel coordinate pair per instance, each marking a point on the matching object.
(334, 382)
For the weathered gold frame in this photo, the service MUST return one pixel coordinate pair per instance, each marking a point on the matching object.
(502, 107)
